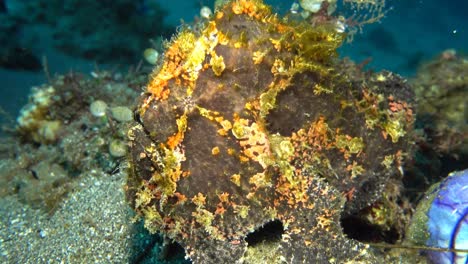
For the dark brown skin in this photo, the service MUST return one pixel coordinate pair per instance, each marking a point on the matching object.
(252, 121)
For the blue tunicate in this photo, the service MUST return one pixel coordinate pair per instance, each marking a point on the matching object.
(448, 220)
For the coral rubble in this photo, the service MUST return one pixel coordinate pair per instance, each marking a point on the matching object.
(253, 119)
(441, 89)
(65, 131)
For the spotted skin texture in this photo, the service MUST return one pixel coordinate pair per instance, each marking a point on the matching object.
(251, 120)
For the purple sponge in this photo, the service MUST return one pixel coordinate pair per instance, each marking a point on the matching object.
(448, 220)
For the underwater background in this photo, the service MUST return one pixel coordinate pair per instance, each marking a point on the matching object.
(79, 67)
